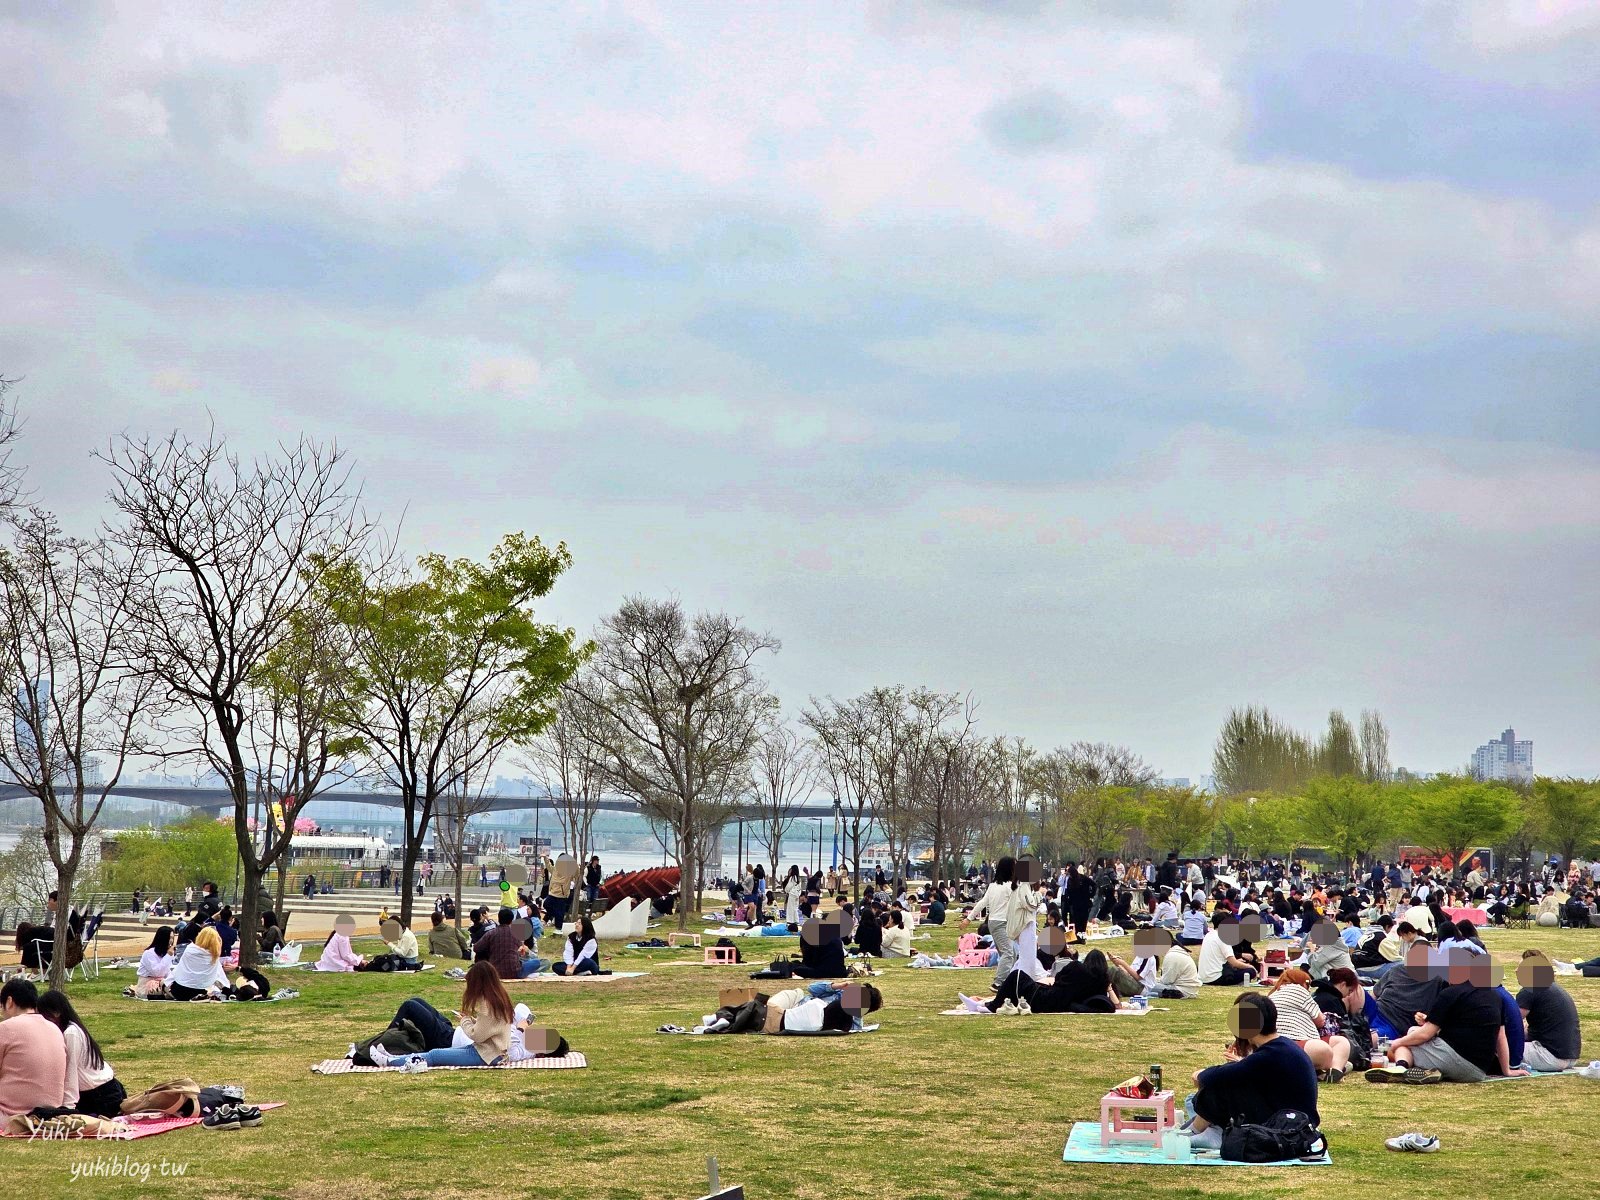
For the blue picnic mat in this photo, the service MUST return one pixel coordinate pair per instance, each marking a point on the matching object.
(1083, 1146)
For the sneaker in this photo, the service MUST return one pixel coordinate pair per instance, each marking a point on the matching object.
(1024, 1008)
(223, 1117)
(1390, 1074)
(286, 993)
(1009, 1009)
(415, 1064)
(232, 1091)
(1413, 1143)
(1421, 1075)
(1337, 1073)
(249, 1116)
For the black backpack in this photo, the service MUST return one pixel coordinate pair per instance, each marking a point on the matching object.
(402, 1038)
(1287, 1134)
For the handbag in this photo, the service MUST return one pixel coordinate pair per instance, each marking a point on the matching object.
(174, 1098)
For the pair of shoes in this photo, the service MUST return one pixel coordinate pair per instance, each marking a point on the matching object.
(286, 993)
(1393, 1073)
(232, 1116)
(671, 1029)
(1414, 1143)
(415, 1064)
(1009, 1009)
(455, 973)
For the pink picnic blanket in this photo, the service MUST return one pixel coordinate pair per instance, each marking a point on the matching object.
(132, 1128)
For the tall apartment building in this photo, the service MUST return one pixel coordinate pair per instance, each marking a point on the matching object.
(1504, 758)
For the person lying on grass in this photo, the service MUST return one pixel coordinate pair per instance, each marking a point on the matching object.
(1079, 986)
(492, 1031)
(1264, 1074)
(814, 1008)
(1460, 1037)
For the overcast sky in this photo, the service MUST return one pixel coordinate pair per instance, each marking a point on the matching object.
(1117, 361)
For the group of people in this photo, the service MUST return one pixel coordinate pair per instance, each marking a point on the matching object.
(510, 945)
(191, 963)
(48, 1060)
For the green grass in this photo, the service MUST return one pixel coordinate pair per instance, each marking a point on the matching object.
(927, 1107)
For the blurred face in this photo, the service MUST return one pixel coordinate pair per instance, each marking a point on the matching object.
(1151, 943)
(1536, 973)
(1324, 933)
(344, 924)
(1244, 1020)
(1419, 959)
(390, 931)
(1228, 931)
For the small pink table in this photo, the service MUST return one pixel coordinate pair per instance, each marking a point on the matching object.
(1116, 1127)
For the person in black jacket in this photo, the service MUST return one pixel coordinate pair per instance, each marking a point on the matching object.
(869, 933)
(822, 947)
(1265, 1073)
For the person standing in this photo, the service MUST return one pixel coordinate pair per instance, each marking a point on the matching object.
(591, 879)
(994, 908)
(793, 890)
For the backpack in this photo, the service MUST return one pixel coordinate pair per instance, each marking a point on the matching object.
(403, 1038)
(1287, 1134)
(729, 944)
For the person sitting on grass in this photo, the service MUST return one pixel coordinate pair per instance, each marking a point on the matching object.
(447, 941)
(338, 955)
(155, 964)
(1166, 912)
(1554, 1041)
(580, 953)
(1302, 1020)
(896, 937)
(1079, 986)
(33, 1052)
(402, 944)
(1459, 1038)
(822, 941)
(487, 1016)
(91, 1086)
(505, 947)
(1196, 928)
(1265, 1073)
(270, 938)
(1218, 964)
(199, 974)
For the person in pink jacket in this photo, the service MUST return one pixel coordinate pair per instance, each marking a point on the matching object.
(337, 954)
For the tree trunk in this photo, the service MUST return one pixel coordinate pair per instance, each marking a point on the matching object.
(249, 909)
(688, 889)
(66, 877)
(413, 851)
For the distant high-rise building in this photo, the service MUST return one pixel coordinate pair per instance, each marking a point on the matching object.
(1505, 758)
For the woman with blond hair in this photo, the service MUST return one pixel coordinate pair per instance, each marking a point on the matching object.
(1301, 1020)
(198, 973)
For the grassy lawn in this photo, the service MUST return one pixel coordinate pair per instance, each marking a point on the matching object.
(928, 1106)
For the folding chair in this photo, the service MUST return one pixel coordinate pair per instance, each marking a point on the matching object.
(91, 945)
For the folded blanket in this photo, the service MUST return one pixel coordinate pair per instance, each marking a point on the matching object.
(343, 1066)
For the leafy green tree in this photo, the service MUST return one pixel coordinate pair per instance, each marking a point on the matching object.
(1262, 826)
(1339, 753)
(450, 644)
(1568, 813)
(1347, 816)
(1096, 820)
(1175, 818)
(1255, 752)
(164, 861)
(1451, 814)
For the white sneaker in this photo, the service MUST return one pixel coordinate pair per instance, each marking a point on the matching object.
(1414, 1143)
(1009, 1009)
(415, 1064)
(1024, 1008)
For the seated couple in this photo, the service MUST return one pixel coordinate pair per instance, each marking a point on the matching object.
(818, 1007)
(338, 956)
(1450, 1023)
(196, 973)
(1078, 986)
(493, 1031)
(1161, 968)
(506, 948)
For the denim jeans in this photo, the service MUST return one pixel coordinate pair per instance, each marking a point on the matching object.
(530, 966)
(454, 1056)
(435, 1027)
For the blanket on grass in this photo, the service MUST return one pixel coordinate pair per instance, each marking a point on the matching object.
(143, 1125)
(1083, 1146)
(1121, 1012)
(551, 977)
(343, 1066)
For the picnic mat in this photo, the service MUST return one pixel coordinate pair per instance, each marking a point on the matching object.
(550, 977)
(948, 967)
(782, 1032)
(148, 1126)
(1083, 1146)
(170, 1000)
(343, 1066)
(1532, 1075)
(1121, 1012)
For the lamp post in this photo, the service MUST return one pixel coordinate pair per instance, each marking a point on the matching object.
(838, 813)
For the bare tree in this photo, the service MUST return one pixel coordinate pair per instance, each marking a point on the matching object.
(673, 707)
(11, 474)
(572, 775)
(1375, 765)
(477, 745)
(74, 692)
(226, 551)
(782, 776)
(839, 729)
(946, 780)
(297, 728)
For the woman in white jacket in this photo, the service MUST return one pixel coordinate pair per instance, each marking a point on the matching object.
(1022, 918)
(995, 908)
(794, 890)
